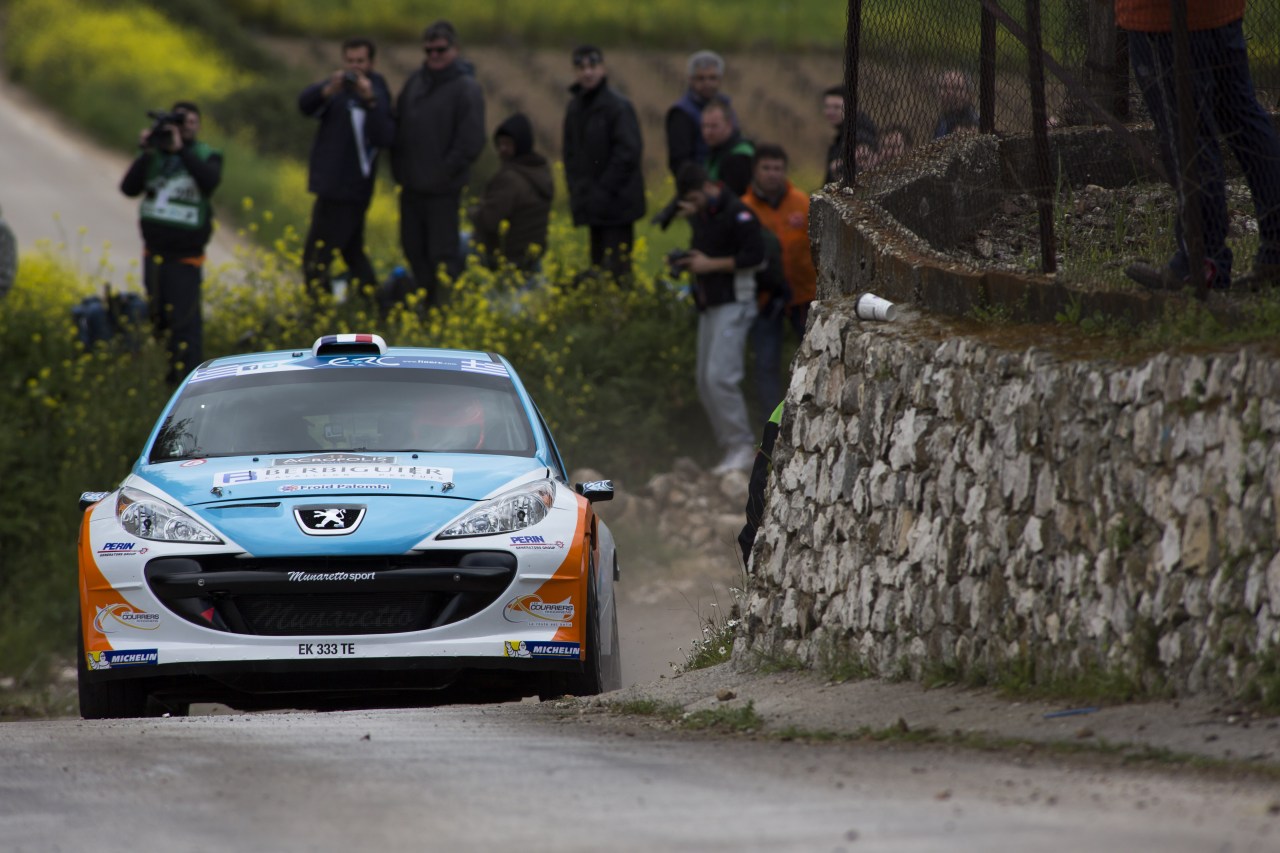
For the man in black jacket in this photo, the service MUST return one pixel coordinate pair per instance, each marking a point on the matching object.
(726, 251)
(602, 150)
(684, 118)
(175, 174)
(439, 134)
(354, 108)
(865, 133)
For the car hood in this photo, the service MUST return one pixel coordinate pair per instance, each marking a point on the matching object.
(467, 477)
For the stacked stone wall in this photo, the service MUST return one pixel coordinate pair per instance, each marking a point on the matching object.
(942, 501)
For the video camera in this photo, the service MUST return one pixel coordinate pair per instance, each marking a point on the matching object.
(158, 135)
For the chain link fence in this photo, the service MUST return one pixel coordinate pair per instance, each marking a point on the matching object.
(918, 70)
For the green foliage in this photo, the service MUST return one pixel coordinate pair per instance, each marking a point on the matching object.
(665, 23)
(838, 662)
(742, 718)
(74, 421)
(646, 707)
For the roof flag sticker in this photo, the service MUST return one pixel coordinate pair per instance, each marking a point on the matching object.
(492, 368)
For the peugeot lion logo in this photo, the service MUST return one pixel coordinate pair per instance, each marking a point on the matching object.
(329, 520)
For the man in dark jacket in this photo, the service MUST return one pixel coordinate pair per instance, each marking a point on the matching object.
(684, 118)
(439, 134)
(729, 155)
(175, 174)
(353, 106)
(602, 149)
(726, 251)
(519, 194)
(865, 132)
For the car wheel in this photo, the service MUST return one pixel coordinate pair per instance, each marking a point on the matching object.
(107, 699)
(592, 679)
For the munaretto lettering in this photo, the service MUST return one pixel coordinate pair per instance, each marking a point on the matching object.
(332, 576)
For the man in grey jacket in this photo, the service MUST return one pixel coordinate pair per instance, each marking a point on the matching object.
(439, 134)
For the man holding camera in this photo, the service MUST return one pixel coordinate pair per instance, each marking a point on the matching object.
(175, 174)
(726, 251)
(353, 106)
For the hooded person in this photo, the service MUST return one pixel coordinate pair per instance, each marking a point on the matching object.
(519, 194)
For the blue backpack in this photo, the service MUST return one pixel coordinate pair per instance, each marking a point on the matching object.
(102, 318)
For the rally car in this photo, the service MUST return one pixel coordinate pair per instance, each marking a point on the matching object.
(346, 526)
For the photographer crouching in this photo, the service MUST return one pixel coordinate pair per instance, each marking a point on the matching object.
(726, 250)
(175, 174)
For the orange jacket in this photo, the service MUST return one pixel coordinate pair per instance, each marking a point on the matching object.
(789, 222)
(1155, 16)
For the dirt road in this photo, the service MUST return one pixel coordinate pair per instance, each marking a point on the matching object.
(490, 778)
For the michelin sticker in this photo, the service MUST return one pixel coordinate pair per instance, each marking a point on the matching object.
(285, 473)
(532, 610)
(119, 658)
(539, 649)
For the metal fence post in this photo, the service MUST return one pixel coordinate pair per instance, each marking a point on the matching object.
(853, 38)
(1040, 138)
(987, 74)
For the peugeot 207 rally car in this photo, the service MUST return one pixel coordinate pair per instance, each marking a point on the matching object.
(343, 526)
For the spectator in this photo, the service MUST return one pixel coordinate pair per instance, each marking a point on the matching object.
(784, 211)
(894, 142)
(353, 106)
(1225, 104)
(8, 257)
(729, 155)
(684, 117)
(955, 100)
(439, 134)
(519, 194)
(176, 175)
(602, 149)
(864, 132)
(727, 248)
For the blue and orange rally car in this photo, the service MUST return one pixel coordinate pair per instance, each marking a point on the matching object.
(347, 526)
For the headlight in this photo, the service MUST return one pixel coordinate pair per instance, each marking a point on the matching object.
(514, 510)
(151, 518)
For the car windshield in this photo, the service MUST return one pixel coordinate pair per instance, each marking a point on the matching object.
(364, 409)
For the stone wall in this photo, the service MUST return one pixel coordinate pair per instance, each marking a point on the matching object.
(941, 500)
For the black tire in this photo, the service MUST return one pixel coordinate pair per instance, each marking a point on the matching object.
(105, 700)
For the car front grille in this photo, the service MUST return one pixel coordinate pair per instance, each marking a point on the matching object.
(347, 596)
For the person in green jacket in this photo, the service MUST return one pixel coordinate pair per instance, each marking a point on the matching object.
(175, 175)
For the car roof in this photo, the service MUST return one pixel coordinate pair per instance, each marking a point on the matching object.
(279, 355)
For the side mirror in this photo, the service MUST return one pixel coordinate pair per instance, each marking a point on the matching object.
(88, 499)
(596, 490)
